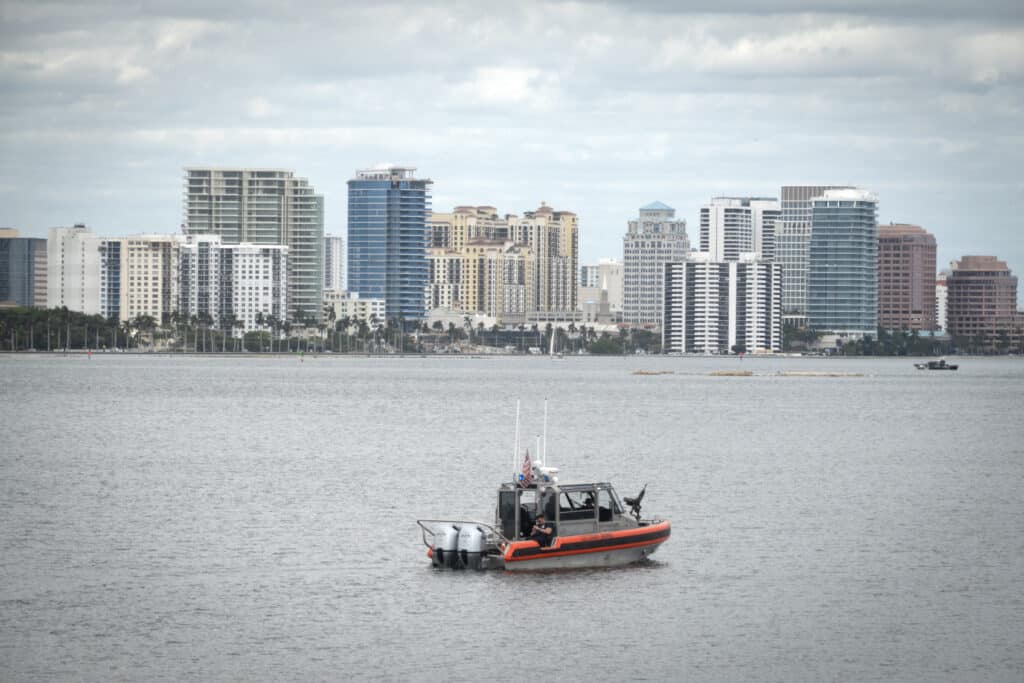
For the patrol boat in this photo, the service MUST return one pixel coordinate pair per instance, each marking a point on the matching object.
(591, 527)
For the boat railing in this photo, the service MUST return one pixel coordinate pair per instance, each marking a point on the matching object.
(427, 528)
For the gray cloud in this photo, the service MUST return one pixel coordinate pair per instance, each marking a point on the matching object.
(595, 107)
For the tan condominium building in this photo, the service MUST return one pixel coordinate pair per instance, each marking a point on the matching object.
(149, 276)
(454, 230)
(484, 276)
(511, 266)
(553, 237)
(906, 277)
(981, 305)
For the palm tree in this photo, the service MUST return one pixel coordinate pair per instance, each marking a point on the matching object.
(363, 331)
(286, 327)
(330, 316)
(145, 324)
(275, 325)
(261, 322)
(227, 326)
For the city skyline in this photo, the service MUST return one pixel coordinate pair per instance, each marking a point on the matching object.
(624, 105)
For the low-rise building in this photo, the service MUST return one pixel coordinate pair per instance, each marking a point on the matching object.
(349, 305)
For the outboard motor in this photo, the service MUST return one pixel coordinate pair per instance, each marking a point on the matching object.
(472, 541)
(446, 547)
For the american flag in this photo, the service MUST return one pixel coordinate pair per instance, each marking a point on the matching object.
(526, 478)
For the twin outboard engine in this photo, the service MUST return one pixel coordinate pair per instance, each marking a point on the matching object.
(459, 546)
(446, 547)
(472, 540)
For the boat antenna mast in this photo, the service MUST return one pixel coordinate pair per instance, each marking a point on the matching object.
(544, 457)
(515, 446)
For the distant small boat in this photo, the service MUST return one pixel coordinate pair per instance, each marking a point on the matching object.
(936, 365)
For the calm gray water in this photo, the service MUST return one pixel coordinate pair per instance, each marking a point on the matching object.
(171, 518)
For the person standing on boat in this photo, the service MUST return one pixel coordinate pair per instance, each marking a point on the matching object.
(542, 532)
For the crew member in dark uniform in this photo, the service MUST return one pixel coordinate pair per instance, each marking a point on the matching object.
(542, 532)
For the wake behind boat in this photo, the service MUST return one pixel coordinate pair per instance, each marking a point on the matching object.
(588, 526)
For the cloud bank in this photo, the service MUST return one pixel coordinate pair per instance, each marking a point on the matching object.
(596, 107)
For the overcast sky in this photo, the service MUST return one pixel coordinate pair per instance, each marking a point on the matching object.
(594, 107)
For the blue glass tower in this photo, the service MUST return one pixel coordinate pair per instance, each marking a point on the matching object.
(842, 287)
(387, 215)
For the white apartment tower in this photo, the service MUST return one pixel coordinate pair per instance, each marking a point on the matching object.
(73, 269)
(719, 307)
(654, 239)
(941, 297)
(233, 285)
(334, 262)
(264, 206)
(730, 226)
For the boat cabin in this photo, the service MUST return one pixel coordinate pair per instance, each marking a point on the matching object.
(570, 509)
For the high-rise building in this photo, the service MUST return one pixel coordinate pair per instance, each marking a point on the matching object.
(233, 285)
(22, 269)
(111, 265)
(387, 218)
(454, 230)
(510, 268)
(147, 269)
(730, 226)
(906, 277)
(334, 262)
(553, 238)
(793, 245)
(73, 269)
(484, 276)
(264, 206)
(940, 301)
(654, 239)
(982, 303)
(842, 287)
(715, 306)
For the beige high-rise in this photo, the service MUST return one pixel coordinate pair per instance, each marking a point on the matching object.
(906, 277)
(149, 276)
(982, 303)
(505, 267)
(553, 236)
